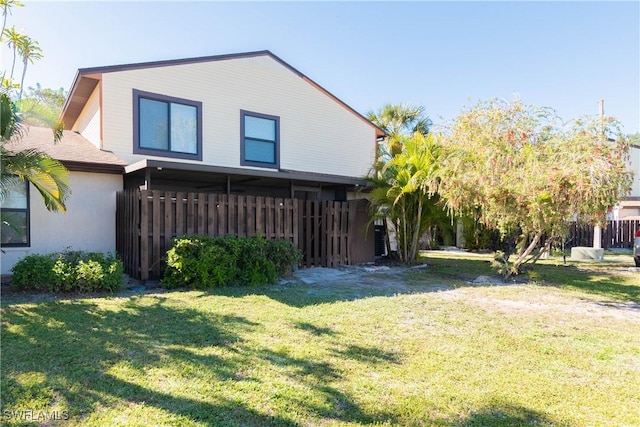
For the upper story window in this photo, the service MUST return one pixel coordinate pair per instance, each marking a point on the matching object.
(14, 214)
(166, 126)
(259, 139)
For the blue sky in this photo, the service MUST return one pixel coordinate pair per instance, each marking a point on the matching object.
(443, 55)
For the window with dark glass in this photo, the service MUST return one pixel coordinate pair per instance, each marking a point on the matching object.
(260, 139)
(167, 126)
(14, 214)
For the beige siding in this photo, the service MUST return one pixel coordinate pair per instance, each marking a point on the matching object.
(317, 134)
(88, 123)
(89, 223)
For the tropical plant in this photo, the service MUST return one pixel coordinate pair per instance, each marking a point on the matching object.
(13, 40)
(522, 171)
(46, 174)
(6, 6)
(398, 120)
(29, 51)
(405, 191)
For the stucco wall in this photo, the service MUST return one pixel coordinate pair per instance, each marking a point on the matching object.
(88, 224)
(317, 134)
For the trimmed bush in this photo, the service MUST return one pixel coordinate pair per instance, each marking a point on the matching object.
(69, 271)
(212, 261)
(284, 255)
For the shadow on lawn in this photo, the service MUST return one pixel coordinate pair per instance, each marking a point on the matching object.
(507, 415)
(79, 353)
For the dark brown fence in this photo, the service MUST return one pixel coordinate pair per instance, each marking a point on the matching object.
(328, 233)
(616, 234)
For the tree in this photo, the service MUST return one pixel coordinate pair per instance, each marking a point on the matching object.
(6, 6)
(29, 51)
(42, 107)
(404, 191)
(13, 40)
(525, 173)
(47, 175)
(399, 120)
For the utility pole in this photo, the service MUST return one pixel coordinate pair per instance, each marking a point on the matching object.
(597, 230)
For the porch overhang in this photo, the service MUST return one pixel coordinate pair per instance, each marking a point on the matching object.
(152, 170)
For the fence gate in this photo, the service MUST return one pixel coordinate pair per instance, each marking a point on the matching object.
(327, 233)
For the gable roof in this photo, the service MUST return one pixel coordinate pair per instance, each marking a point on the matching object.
(86, 80)
(73, 151)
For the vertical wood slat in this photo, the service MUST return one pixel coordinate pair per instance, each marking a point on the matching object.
(269, 214)
(191, 209)
(260, 207)
(212, 200)
(202, 214)
(231, 215)
(222, 214)
(351, 230)
(169, 219)
(307, 250)
(251, 216)
(144, 235)
(241, 216)
(180, 220)
(155, 227)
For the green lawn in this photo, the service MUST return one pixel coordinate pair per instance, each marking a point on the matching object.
(563, 350)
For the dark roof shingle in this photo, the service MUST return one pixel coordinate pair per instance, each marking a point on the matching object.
(73, 150)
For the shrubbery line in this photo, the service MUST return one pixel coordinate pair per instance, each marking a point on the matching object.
(69, 271)
(211, 261)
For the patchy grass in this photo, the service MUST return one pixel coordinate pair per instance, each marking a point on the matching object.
(410, 353)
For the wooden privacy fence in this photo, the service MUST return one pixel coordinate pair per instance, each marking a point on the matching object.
(616, 234)
(328, 233)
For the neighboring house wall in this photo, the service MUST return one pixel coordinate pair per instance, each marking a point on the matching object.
(88, 123)
(88, 224)
(630, 208)
(317, 134)
(635, 166)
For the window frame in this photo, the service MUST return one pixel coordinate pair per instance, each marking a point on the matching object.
(27, 211)
(276, 142)
(137, 149)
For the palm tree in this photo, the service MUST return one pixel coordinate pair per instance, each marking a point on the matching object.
(46, 174)
(405, 191)
(13, 40)
(6, 6)
(29, 51)
(400, 120)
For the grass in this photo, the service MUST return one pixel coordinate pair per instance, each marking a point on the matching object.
(562, 350)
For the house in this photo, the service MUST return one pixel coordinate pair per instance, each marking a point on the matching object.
(245, 124)
(88, 224)
(629, 208)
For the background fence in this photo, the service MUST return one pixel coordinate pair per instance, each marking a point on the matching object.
(328, 233)
(616, 234)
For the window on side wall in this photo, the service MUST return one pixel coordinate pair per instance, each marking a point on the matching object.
(15, 214)
(259, 140)
(166, 126)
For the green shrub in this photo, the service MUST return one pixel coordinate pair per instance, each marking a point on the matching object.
(284, 255)
(35, 272)
(211, 261)
(69, 271)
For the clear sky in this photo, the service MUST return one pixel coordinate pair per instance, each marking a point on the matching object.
(443, 55)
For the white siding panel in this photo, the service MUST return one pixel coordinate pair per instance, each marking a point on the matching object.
(89, 223)
(88, 123)
(317, 134)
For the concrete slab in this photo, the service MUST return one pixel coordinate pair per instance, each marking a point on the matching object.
(587, 253)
